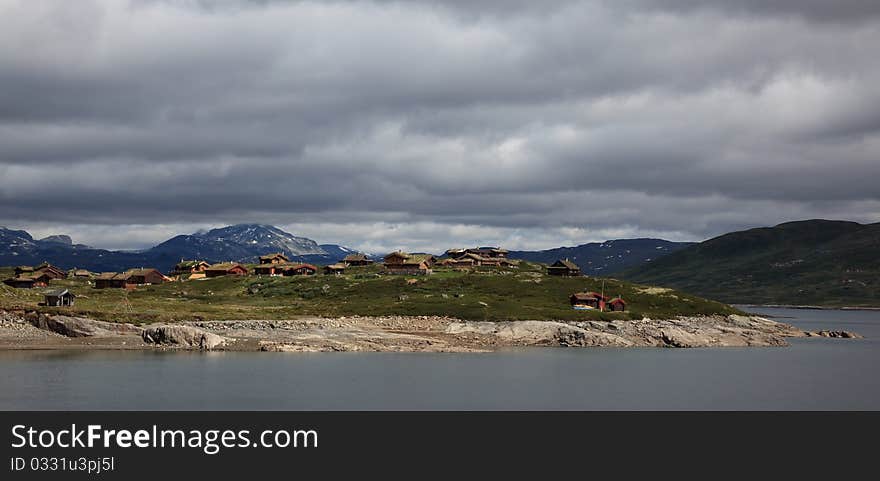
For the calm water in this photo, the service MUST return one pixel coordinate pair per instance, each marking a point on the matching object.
(820, 374)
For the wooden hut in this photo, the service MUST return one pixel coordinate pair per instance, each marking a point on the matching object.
(415, 264)
(355, 260)
(277, 258)
(140, 277)
(109, 280)
(588, 300)
(335, 269)
(489, 252)
(29, 281)
(130, 279)
(617, 305)
(59, 298)
(564, 267)
(82, 274)
(189, 267)
(23, 270)
(226, 269)
(268, 269)
(299, 270)
(50, 270)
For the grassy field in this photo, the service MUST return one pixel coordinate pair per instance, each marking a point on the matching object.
(515, 294)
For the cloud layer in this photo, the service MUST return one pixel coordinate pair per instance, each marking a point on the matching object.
(422, 124)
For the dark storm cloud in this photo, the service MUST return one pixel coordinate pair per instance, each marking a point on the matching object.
(530, 123)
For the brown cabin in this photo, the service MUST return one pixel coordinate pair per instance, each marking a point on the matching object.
(82, 274)
(617, 305)
(300, 270)
(59, 298)
(269, 269)
(140, 277)
(489, 252)
(355, 260)
(226, 269)
(52, 271)
(37, 279)
(109, 280)
(588, 300)
(189, 267)
(277, 258)
(129, 279)
(409, 264)
(564, 267)
(22, 270)
(335, 269)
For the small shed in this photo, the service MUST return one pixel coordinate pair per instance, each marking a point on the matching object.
(588, 300)
(617, 305)
(59, 298)
(564, 267)
(335, 269)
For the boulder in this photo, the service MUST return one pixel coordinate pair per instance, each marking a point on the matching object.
(183, 336)
(79, 326)
(675, 337)
(836, 334)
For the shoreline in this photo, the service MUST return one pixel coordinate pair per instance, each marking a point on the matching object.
(33, 330)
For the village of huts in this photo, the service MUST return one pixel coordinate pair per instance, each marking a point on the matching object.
(278, 264)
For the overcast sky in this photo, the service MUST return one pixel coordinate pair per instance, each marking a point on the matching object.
(428, 124)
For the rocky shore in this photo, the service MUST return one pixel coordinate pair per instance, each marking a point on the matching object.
(33, 330)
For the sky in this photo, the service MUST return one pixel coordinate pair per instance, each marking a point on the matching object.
(427, 124)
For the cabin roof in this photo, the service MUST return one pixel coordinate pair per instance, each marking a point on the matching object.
(301, 266)
(186, 264)
(58, 293)
(565, 263)
(585, 296)
(225, 266)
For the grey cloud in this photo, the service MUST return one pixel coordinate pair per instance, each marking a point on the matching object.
(601, 116)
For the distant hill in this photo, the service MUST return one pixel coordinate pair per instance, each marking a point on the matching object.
(813, 262)
(605, 258)
(239, 243)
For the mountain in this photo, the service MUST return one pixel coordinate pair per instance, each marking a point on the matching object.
(58, 239)
(240, 243)
(813, 262)
(609, 257)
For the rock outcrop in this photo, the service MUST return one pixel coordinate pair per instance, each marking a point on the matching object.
(835, 334)
(185, 336)
(709, 331)
(78, 326)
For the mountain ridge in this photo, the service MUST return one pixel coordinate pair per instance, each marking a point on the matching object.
(238, 243)
(605, 258)
(810, 262)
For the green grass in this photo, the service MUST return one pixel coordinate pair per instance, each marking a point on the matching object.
(516, 294)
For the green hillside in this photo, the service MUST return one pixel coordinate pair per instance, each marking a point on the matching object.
(491, 294)
(813, 262)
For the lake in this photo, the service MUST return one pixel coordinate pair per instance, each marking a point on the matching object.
(812, 374)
